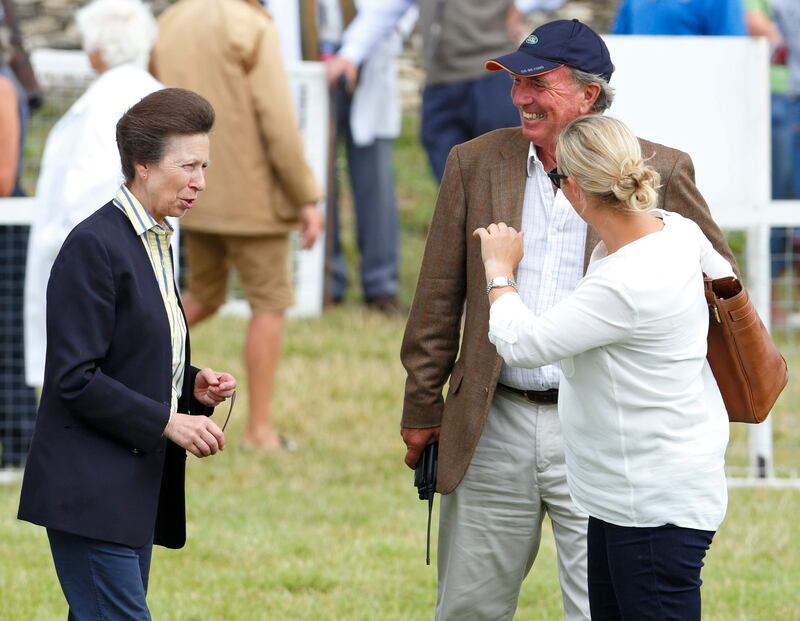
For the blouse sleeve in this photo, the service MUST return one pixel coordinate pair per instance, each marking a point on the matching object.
(597, 313)
(711, 261)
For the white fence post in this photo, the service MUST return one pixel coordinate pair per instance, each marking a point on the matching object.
(757, 257)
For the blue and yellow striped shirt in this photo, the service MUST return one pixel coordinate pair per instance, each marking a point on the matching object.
(156, 238)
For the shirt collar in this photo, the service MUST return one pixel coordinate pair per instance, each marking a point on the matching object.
(140, 218)
(532, 159)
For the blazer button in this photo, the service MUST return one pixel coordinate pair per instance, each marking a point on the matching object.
(135, 451)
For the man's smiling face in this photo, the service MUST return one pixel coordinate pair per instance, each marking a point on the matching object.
(548, 102)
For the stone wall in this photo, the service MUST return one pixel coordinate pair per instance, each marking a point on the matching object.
(49, 23)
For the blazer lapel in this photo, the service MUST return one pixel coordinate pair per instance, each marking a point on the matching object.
(508, 177)
(592, 239)
(148, 283)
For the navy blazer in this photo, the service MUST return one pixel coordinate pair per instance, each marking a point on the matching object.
(98, 465)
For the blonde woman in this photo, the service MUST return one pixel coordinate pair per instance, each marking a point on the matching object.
(643, 421)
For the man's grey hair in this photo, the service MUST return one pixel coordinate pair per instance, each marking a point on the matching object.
(606, 96)
(123, 31)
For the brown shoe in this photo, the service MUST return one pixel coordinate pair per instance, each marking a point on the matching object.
(385, 304)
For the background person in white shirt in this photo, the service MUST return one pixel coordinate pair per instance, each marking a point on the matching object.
(644, 426)
(80, 165)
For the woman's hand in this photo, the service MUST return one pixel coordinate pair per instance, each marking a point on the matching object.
(197, 434)
(501, 249)
(212, 388)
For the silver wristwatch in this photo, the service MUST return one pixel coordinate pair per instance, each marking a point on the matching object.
(500, 281)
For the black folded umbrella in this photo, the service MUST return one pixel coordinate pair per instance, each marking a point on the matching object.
(425, 482)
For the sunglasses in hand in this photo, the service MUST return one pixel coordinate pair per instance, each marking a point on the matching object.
(230, 409)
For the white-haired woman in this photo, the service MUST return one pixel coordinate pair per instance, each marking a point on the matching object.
(80, 165)
(644, 426)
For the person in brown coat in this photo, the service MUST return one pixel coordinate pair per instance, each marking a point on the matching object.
(259, 184)
(501, 456)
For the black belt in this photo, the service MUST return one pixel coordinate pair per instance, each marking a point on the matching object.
(540, 397)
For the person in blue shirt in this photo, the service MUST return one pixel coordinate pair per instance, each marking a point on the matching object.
(680, 17)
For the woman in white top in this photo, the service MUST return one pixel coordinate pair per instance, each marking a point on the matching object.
(644, 426)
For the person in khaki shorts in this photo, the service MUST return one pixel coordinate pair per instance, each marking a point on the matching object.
(259, 184)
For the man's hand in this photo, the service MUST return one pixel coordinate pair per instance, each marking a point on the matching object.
(416, 440)
(212, 388)
(197, 434)
(337, 67)
(311, 225)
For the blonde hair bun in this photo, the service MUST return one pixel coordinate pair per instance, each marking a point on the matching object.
(604, 157)
(636, 185)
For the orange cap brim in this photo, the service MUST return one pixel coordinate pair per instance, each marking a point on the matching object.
(493, 65)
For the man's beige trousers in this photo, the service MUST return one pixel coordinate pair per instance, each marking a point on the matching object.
(490, 526)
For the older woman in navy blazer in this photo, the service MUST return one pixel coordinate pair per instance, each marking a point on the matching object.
(121, 402)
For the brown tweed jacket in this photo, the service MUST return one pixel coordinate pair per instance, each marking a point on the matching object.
(484, 182)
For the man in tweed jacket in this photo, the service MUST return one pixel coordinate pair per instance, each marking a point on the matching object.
(501, 460)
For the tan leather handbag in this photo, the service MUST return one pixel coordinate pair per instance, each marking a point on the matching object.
(749, 369)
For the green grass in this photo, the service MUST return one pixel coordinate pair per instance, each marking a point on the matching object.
(335, 530)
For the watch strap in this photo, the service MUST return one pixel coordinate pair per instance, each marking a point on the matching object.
(500, 281)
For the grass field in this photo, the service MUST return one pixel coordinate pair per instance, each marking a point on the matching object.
(335, 530)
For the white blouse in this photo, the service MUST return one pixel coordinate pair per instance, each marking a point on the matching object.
(645, 429)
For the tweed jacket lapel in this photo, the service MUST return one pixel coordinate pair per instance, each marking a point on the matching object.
(592, 239)
(508, 181)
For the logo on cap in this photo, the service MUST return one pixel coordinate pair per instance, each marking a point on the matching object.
(531, 40)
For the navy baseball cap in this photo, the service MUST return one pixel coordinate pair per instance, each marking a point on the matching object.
(562, 42)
